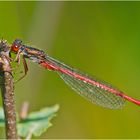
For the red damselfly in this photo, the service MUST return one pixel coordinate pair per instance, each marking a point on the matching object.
(95, 90)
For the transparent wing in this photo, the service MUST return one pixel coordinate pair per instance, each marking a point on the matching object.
(93, 93)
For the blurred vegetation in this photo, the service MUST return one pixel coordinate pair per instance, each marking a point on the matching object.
(101, 38)
(34, 123)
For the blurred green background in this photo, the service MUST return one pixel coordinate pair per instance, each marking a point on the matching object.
(100, 38)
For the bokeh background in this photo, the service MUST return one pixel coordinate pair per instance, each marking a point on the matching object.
(101, 38)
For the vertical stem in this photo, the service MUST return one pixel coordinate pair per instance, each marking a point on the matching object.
(7, 89)
(8, 105)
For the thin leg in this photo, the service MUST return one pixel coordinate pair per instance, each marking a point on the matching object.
(17, 59)
(9, 57)
(25, 65)
(25, 68)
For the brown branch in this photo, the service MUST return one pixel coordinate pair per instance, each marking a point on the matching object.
(7, 89)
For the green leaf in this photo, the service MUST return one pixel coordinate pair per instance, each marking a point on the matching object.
(2, 121)
(37, 122)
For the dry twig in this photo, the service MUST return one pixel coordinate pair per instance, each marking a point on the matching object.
(7, 89)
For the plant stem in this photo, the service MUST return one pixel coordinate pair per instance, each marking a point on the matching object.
(7, 89)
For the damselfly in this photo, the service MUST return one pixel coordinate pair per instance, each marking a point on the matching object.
(96, 91)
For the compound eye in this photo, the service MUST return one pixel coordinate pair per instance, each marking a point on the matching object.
(14, 48)
(16, 45)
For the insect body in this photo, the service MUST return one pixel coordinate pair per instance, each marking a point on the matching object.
(95, 90)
